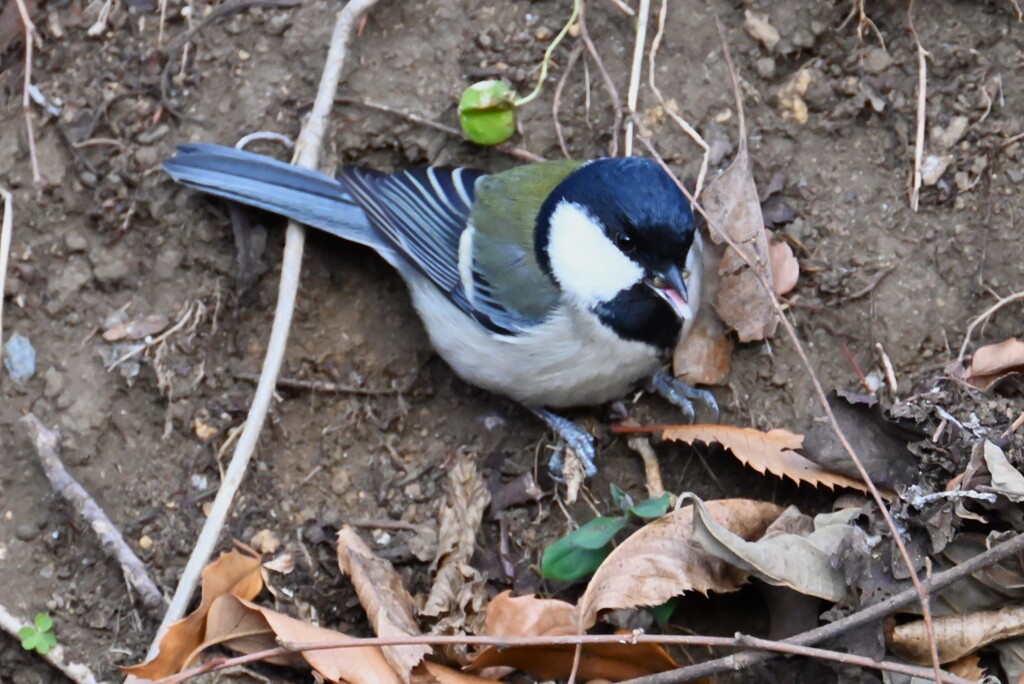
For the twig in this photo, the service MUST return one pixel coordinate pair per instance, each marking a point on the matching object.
(815, 382)
(26, 102)
(643, 13)
(1014, 426)
(984, 316)
(652, 469)
(546, 61)
(6, 228)
(738, 641)
(626, 9)
(321, 386)
(890, 372)
(511, 150)
(306, 155)
(939, 581)
(870, 287)
(47, 444)
(76, 672)
(577, 50)
(609, 83)
(922, 101)
(680, 121)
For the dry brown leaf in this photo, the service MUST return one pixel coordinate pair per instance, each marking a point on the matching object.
(521, 616)
(771, 451)
(703, 356)
(435, 673)
(732, 204)
(968, 667)
(990, 471)
(235, 574)
(994, 362)
(139, 329)
(239, 627)
(460, 518)
(661, 560)
(785, 267)
(388, 605)
(956, 635)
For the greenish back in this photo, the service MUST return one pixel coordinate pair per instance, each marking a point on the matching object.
(504, 216)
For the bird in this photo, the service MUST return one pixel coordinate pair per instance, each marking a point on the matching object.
(556, 284)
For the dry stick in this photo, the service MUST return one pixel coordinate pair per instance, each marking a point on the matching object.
(511, 150)
(877, 611)
(26, 101)
(739, 641)
(321, 386)
(6, 228)
(76, 672)
(577, 50)
(922, 99)
(801, 352)
(609, 84)
(643, 12)
(680, 121)
(978, 320)
(307, 153)
(47, 444)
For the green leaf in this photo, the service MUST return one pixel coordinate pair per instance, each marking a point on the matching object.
(487, 113)
(44, 623)
(623, 500)
(663, 613)
(652, 509)
(47, 641)
(580, 552)
(29, 638)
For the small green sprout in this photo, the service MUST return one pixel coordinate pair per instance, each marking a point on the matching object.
(38, 636)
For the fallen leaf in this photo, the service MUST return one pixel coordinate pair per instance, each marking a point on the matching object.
(139, 329)
(435, 673)
(968, 667)
(385, 599)
(1011, 658)
(771, 451)
(994, 362)
(235, 625)
(234, 574)
(990, 471)
(660, 560)
(703, 356)
(519, 616)
(785, 267)
(732, 204)
(956, 635)
(800, 560)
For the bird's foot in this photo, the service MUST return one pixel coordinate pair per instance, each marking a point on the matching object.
(682, 395)
(575, 437)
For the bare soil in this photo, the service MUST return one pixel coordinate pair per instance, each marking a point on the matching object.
(111, 233)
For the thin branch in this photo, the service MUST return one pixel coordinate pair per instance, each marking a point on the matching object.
(643, 12)
(6, 228)
(556, 102)
(76, 672)
(307, 155)
(922, 101)
(47, 444)
(609, 84)
(26, 102)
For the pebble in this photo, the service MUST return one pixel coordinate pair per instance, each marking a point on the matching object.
(766, 67)
(543, 33)
(19, 358)
(54, 383)
(26, 531)
(76, 242)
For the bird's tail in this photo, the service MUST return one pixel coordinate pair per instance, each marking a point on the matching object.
(307, 196)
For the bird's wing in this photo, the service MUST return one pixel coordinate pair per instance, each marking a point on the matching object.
(424, 213)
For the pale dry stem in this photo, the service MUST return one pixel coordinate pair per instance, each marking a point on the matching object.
(643, 13)
(6, 228)
(922, 102)
(983, 317)
(26, 102)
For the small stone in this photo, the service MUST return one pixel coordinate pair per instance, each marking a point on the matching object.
(148, 157)
(110, 266)
(75, 242)
(26, 532)
(54, 383)
(341, 481)
(543, 33)
(766, 67)
(933, 167)
(945, 137)
(19, 358)
(877, 60)
(485, 41)
(145, 542)
(414, 490)
(761, 30)
(243, 56)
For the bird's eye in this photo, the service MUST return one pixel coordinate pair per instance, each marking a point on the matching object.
(624, 243)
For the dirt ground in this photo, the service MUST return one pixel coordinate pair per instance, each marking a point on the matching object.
(111, 236)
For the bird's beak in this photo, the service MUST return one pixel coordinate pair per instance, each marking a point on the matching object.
(670, 286)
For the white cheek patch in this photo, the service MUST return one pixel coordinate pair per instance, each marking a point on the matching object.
(587, 265)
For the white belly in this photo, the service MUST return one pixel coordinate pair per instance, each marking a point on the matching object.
(569, 360)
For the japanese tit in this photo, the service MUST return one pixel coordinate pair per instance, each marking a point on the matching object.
(556, 284)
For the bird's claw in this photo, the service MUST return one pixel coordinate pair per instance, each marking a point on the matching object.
(682, 395)
(575, 438)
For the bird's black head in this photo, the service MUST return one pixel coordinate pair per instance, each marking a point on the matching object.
(618, 236)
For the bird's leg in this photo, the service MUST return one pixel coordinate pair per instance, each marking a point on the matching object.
(578, 439)
(682, 395)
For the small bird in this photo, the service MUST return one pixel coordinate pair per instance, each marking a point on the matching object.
(557, 284)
